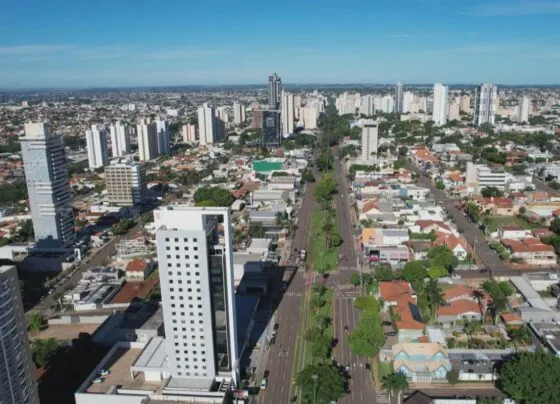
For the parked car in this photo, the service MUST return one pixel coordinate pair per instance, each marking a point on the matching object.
(104, 372)
(98, 380)
(264, 383)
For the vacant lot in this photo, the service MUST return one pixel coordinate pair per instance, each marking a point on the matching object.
(496, 222)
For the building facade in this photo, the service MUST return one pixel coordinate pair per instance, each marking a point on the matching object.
(189, 133)
(194, 247)
(287, 113)
(399, 98)
(238, 113)
(125, 183)
(274, 91)
(439, 112)
(120, 139)
(369, 140)
(163, 137)
(47, 184)
(524, 108)
(96, 144)
(147, 139)
(271, 128)
(17, 385)
(207, 131)
(485, 104)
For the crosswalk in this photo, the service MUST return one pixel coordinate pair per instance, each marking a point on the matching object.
(297, 294)
(381, 397)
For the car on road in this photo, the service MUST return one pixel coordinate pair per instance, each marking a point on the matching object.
(276, 326)
(104, 372)
(98, 380)
(346, 328)
(266, 373)
(264, 383)
(272, 340)
(303, 254)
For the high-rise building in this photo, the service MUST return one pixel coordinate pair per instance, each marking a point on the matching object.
(125, 182)
(207, 131)
(465, 103)
(369, 140)
(96, 144)
(387, 104)
(163, 136)
(120, 139)
(147, 139)
(399, 98)
(453, 111)
(485, 104)
(309, 117)
(287, 112)
(367, 105)
(256, 116)
(408, 101)
(271, 128)
(524, 108)
(238, 113)
(439, 109)
(274, 91)
(46, 176)
(195, 255)
(17, 385)
(189, 133)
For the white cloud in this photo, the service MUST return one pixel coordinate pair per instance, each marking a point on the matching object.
(516, 8)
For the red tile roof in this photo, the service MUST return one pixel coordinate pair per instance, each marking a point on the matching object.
(456, 291)
(458, 308)
(136, 265)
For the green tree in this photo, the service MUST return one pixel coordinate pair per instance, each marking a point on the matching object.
(531, 377)
(440, 185)
(122, 227)
(506, 289)
(442, 255)
(368, 336)
(434, 295)
(218, 196)
(555, 226)
(26, 231)
(324, 190)
(488, 192)
(256, 230)
(36, 322)
(367, 303)
(321, 347)
(394, 383)
(355, 279)
(321, 383)
(44, 350)
(414, 271)
(453, 376)
(437, 271)
(384, 273)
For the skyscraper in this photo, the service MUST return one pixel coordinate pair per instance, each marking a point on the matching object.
(238, 113)
(465, 103)
(207, 131)
(387, 104)
(17, 385)
(439, 112)
(271, 128)
(274, 91)
(287, 113)
(194, 247)
(485, 104)
(96, 144)
(163, 136)
(125, 182)
(367, 105)
(147, 139)
(524, 108)
(120, 139)
(189, 133)
(369, 140)
(399, 98)
(46, 176)
(408, 101)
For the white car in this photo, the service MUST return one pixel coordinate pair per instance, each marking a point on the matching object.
(98, 380)
(104, 372)
(264, 383)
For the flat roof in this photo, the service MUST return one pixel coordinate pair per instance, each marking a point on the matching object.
(154, 355)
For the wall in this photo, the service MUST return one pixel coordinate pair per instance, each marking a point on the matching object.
(84, 398)
(78, 320)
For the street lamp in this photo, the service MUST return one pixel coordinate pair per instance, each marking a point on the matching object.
(314, 377)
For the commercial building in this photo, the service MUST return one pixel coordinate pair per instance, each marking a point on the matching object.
(485, 104)
(287, 112)
(47, 185)
(147, 139)
(17, 385)
(163, 136)
(120, 139)
(271, 128)
(238, 113)
(96, 144)
(399, 98)
(439, 112)
(207, 131)
(274, 91)
(479, 176)
(189, 133)
(125, 183)
(369, 140)
(524, 108)
(256, 116)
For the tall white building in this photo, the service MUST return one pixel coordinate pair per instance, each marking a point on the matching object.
(465, 103)
(287, 112)
(367, 105)
(96, 144)
(238, 113)
(524, 108)
(485, 104)
(46, 177)
(309, 117)
(399, 98)
(387, 104)
(207, 131)
(17, 385)
(194, 247)
(439, 112)
(147, 139)
(120, 139)
(408, 101)
(369, 140)
(189, 133)
(163, 136)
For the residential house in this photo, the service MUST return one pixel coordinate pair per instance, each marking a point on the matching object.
(459, 292)
(421, 362)
(531, 251)
(138, 270)
(419, 249)
(498, 206)
(513, 232)
(428, 226)
(512, 320)
(458, 246)
(459, 310)
(399, 298)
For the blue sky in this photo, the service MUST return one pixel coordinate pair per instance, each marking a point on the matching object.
(63, 43)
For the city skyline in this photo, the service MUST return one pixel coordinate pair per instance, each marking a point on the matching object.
(416, 41)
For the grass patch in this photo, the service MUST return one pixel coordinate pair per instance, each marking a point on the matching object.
(384, 368)
(496, 222)
(326, 310)
(324, 259)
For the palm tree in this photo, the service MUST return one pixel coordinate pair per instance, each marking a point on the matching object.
(434, 295)
(328, 228)
(394, 382)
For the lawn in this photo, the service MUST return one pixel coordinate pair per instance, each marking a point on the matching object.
(384, 368)
(312, 322)
(324, 260)
(495, 222)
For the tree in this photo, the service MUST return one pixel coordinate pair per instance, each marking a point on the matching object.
(367, 303)
(122, 227)
(384, 273)
(36, 322)
(414, 271)
(218, 196)
(316, 301)
(453, 376)
(434, 295)
(555, 225)
(43, 351)
(437, 271)
(488, 192)
(26, 231)
(321, 347)
(531, 377)
(442, 255)
(355, 279)
(394, 382)
(321, 383)
(440, 185)
(256, 230)
(324, 190)
(368, 336)
(506, 289)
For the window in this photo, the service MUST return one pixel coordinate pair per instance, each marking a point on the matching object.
(195, 240)
(195, 248)
(168, 248)
(176, 240)
(167, 239)
(186, 240)
(168, 256)
(176, 248)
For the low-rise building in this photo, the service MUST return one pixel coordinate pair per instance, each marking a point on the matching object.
(138, 269)
(421, 362)
(531, 251)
